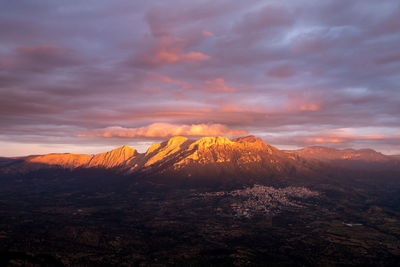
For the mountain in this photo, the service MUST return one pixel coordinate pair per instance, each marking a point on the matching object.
(242, 158)
(362, 158)
(395, 157)
(182, 157)
(114, 158)
(111, 159)
(209, 157)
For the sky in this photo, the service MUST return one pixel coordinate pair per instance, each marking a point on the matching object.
(88, 76)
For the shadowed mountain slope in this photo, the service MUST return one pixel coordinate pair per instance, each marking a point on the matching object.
(362, 158)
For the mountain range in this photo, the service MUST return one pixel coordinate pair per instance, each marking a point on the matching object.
(209, 156)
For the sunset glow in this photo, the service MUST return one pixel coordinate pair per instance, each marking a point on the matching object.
(92, 75)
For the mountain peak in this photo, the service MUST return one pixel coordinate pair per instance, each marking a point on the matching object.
(176, 140)
(158, 152)
(209, 141)
(113, 158)
(123, 152)
(254, 142)
(242, 139)
(249, 139)
(125, 149)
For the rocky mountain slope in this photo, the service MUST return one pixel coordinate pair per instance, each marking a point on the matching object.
(209, 156)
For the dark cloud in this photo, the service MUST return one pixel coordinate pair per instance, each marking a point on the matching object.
(39, 58)
(267, 19)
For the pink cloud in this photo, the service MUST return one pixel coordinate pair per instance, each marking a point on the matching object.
(300, 102)
(194, 56)
(166, 56)
(180, 95)
(166, 79)
(326, 139)
(207, 33)
(338, 137)
(163, 130)
(218, 85)
(303, 106)
(342, 137)
(309, 107)
(172, 50)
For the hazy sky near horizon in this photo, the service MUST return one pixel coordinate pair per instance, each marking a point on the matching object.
(86, 76)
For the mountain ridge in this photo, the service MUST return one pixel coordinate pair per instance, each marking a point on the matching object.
(349, 157)
(214, 154)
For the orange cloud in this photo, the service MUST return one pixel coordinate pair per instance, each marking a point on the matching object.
(163, 130)
(207, 33)
(326, 139)
(194, 56)
(218, 85)
(298, 102)
(342, 136)
(171, 50)
(167, 56)
(309, 107)
(166, 79)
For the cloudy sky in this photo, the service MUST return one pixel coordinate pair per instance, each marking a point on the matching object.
(87, 76)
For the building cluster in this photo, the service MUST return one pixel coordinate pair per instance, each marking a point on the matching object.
(264, 200)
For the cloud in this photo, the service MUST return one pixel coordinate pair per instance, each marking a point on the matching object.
(163, 130)
(39, 58)
(337, 137)
(303, 102)
(171, 50)
(130, 63)
(281, 71)
(267, 18)
(218, 85)
(194, 56)
(345, 136)
(166, 50)
(166, 79)
(207, 33)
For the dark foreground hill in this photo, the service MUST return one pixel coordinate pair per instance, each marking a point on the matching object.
(210, 202)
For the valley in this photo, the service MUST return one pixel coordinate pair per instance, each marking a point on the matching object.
(241, 211)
